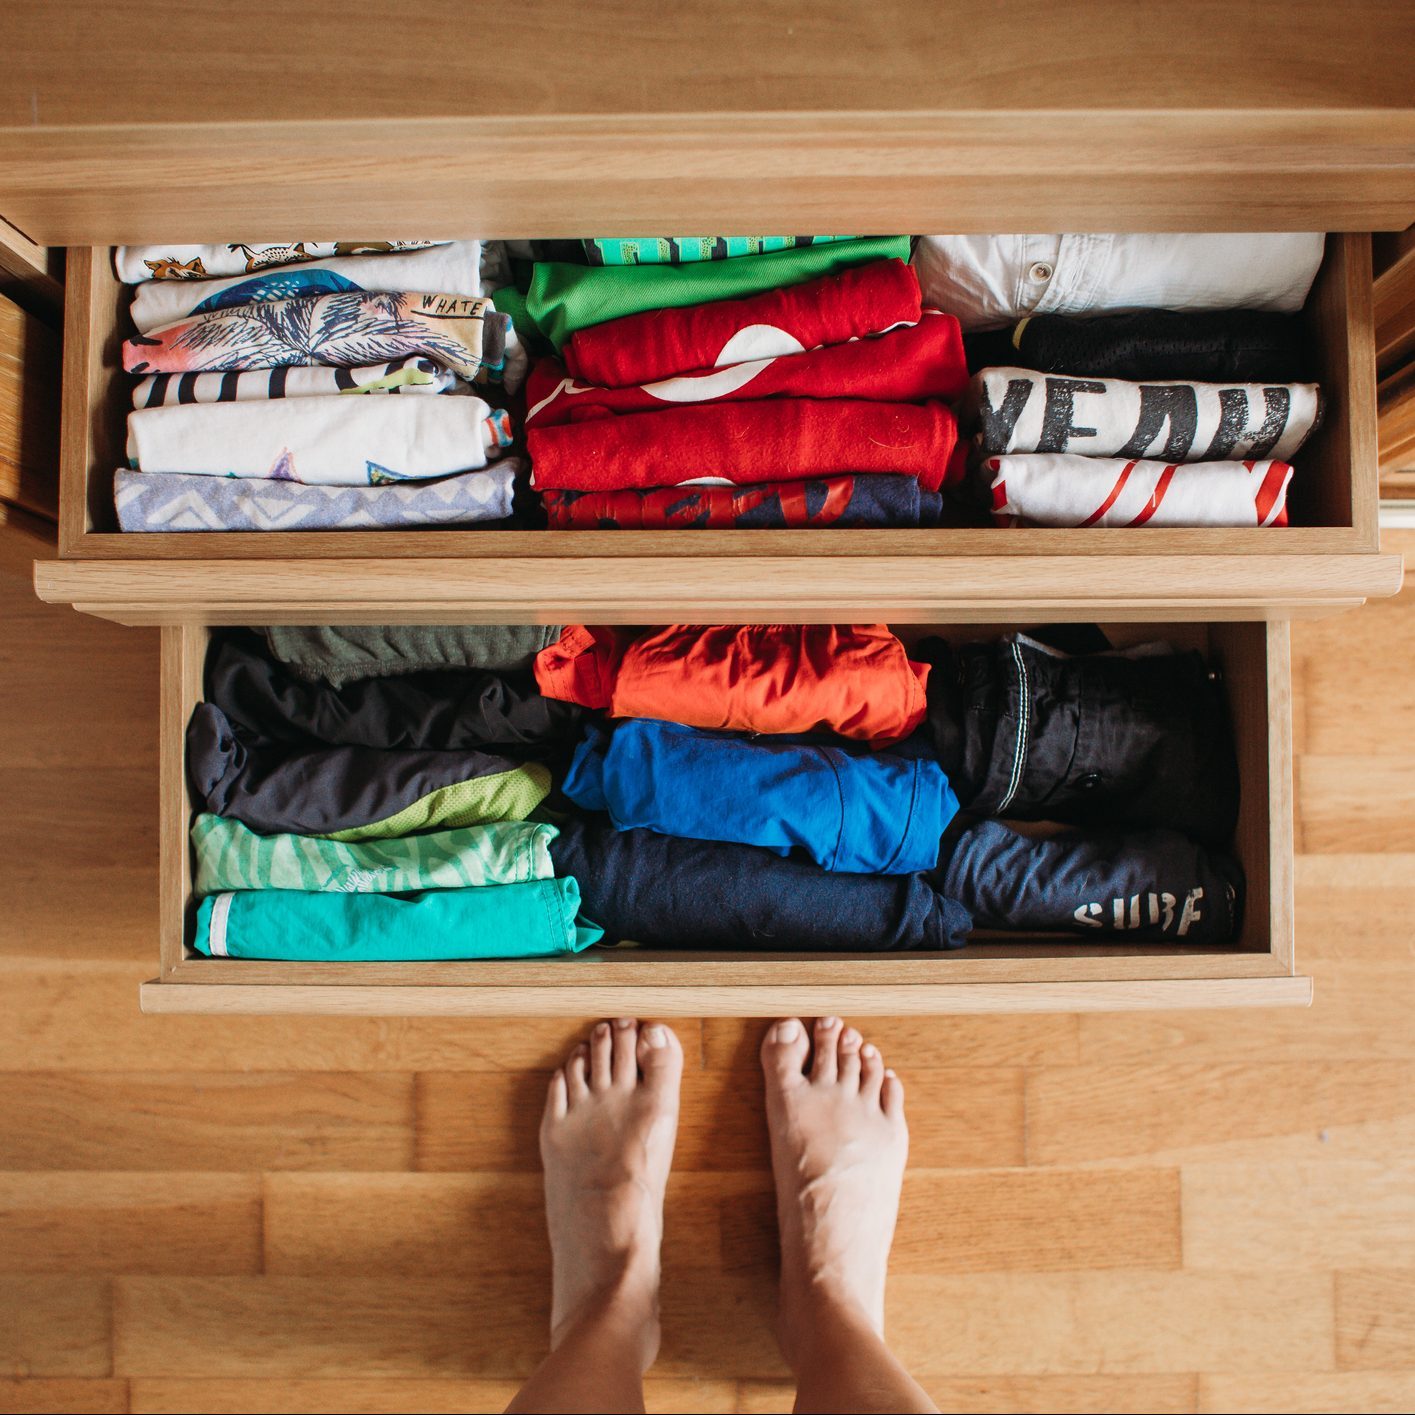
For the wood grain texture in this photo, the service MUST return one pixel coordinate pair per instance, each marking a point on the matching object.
(29, 411)
(1375, 1392)
(57, 1396)
(55, 1326)
(1375, 1318)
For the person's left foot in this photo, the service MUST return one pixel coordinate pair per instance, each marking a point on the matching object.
(606, 1141)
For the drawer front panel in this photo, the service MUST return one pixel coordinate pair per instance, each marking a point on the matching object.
(1002, 973)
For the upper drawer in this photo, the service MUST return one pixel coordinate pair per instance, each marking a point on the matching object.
(1327, 558)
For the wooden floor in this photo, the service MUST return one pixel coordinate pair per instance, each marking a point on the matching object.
(1161, 1212)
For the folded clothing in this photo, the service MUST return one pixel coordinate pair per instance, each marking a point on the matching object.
(452, 269)
(854, 680)
(1146, 884)
(352, 793)
(407, 375)
(534, 920)
(135, 264)
(855, 812)
(174, 501)
(340, 653)
(905, 365)
(682, 250)
(329, 441)
(564, 298)
(831, 309)
(1021, 411)
(877, 501)
(782, 439)
(354, 329)
(1251, 346)
(442, 709)
(659, 889)
(229, 856)
(988, 280)
(1059, 489)
(1098, 739)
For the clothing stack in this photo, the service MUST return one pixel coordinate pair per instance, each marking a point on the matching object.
(282, 387)
(1133, 380)
(386, 793)
(369, 795)
(802, 384)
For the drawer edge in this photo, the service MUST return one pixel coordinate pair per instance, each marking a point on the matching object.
(584, 1000)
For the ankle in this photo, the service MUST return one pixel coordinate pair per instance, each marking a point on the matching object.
(815, 1312)
(624, 1309)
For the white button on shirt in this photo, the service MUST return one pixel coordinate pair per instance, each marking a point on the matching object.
(989, 281)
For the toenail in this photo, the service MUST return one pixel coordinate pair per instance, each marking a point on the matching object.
(850, 1039)
(827, 1024)
(623, 1023)
(870, 1050)
(656, 1036)
(888, 1072)
(602, 1029)
(786, 1031)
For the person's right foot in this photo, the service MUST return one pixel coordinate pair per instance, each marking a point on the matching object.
(838, 1148)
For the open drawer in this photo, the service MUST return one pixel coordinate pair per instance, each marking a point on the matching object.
(1327, 558)
(993, 973)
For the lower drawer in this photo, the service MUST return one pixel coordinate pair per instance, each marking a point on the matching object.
(1013, 973)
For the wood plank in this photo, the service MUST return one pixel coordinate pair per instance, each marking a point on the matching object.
(29, 411)
(1170, 1111)
(1375, 1319)
(1357, 804)
(1373, 1392)
(1116, 1323)
(390, 1397)
(42, 1396)
(966, 1119)
(96, 1222)
(1023, 1395)
(55, 1326)
(256, 1120)
(1327, 1213)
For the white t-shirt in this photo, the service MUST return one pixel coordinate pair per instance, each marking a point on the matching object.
(989, 281)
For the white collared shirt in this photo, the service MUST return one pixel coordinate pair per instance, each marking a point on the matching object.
(989, 281)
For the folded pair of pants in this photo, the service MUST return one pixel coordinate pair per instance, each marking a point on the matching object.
(352, 793)
(877, 501)
(1060, 489)
(663, 890)
(858, 813)
(437, 709)
(453, 269)
(1134, 886)
(909, 364)
(329, 441)
(1104, 739)
(1247, 346)
(342, 653)
(564, 298)
(852, 680)
(534, 920)
(467, 336)
(228, 855)
(778, 439)
(1021, 411)
(658, 344)
(135, 264)
(682, 250)
(174, 501)
(407, 375)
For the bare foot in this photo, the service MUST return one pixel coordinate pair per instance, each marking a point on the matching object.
(838, 1147)
(606, 1141)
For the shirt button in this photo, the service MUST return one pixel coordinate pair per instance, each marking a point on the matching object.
(1040, 272)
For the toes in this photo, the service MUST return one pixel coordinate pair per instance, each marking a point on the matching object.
(784, 1052)
(577, 1073)
(557, 1097)
(871, 1071)
(625, 1060)
(601, 1053)
(826, 1067)
(850, 1043)
(892, 1096)
(660, 1056)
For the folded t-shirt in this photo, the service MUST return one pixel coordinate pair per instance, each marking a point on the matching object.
(406, 375)
(988, 281)
(853, 680)
(135, 264)
(682, 250)
(857, 812)
(672, 892)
